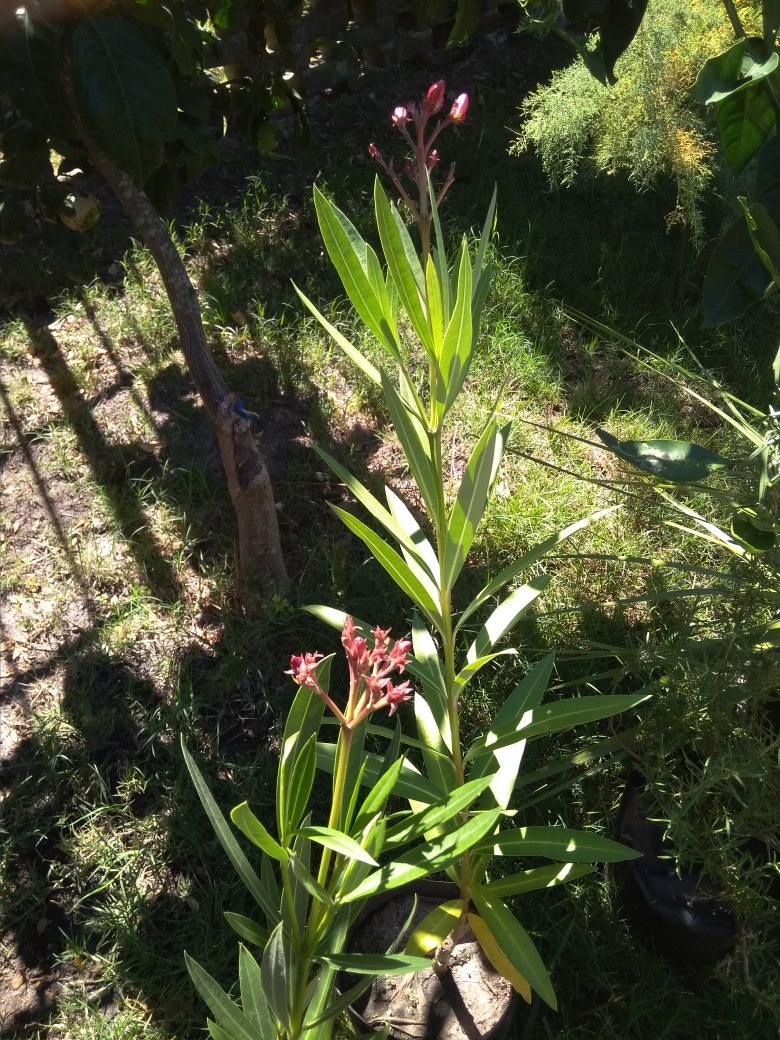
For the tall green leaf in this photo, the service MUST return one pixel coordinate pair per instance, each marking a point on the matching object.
(426, 858)
(505, 615)
(125, 93)
(348, 253)
(253, 1001)
(225, 836)
(351, 351)
(411, 782)
(414, 441)
(275, 974)
(458, 347)
(423, 595)
(303, 720)
(469, 505)
(558, 843)
(537, 878)
(246, 821)
(226, 1011)
(515, 943)
(403, 265)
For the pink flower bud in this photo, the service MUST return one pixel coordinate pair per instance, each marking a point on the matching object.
(373, 151)
(400, 115)
(432, 159)
(434, 99)
(459, 108)
(396, 695)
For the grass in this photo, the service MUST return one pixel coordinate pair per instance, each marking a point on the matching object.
(121, 624)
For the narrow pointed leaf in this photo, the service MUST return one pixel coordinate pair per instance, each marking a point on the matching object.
(457, 349)
(228, 842)
(394, 564)
(429, 857)
(437, 815)
(351, 351)
(505, 615)
(478, 478)
(249, 825)
(434, 928)
(537, 878)
(247, 928)
(253, 1000)
(274, 973)
(228, 1014)
(415, 444)
(515, 943)
(558, 843)
(377, 963)
(528, 560)
(338, 842)
(495, 954)
(411, 782)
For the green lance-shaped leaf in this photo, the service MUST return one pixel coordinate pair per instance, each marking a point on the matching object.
(435, 305)
(558, 843)
(227, 1013)
(376, 799)
(555, 718)
(527, 560)
(467, 14)
(354, 355)
(246, 928)
(303, 721)
(377, 963)
(505, 616)
(426, 858)
(408, 523)
(678, 461)
(349, 254)
(484, 240)
(416, 446)
(436, 752)
(253, 1001)
(409, 536)
(439, 254)
(473, 493)
(339, 843)
(275, 974)
(404, 266)
(421, 594)
(125, 93)
(425, 666)
(515, 942)
(506, 761)
(437, 815)
(233, 850)
(537, 879)
(458, 347)
(246, 821)
(411, 782)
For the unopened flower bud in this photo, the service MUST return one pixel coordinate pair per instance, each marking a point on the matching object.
(410, 169)
(373, 151)
(432, 159)
(434, 99)
(400, 115)
(459, 108)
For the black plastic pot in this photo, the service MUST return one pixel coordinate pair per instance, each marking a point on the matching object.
(683, 913)
(449, 999)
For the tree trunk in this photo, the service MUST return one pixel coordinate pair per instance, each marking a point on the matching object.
(261, 564)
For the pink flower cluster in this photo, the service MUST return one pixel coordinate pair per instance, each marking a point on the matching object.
(370, 684)
(424, 155)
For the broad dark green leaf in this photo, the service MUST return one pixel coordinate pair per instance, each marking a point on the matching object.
(771, 23)
(678, 461)
(751, 534)
(745, 120)
(30, 70)
(734, 70)
(124, 92)
(466, 20)
(765, 236)
(515, 943)
(617, 28)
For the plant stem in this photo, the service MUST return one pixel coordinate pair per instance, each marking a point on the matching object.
(733, 17)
